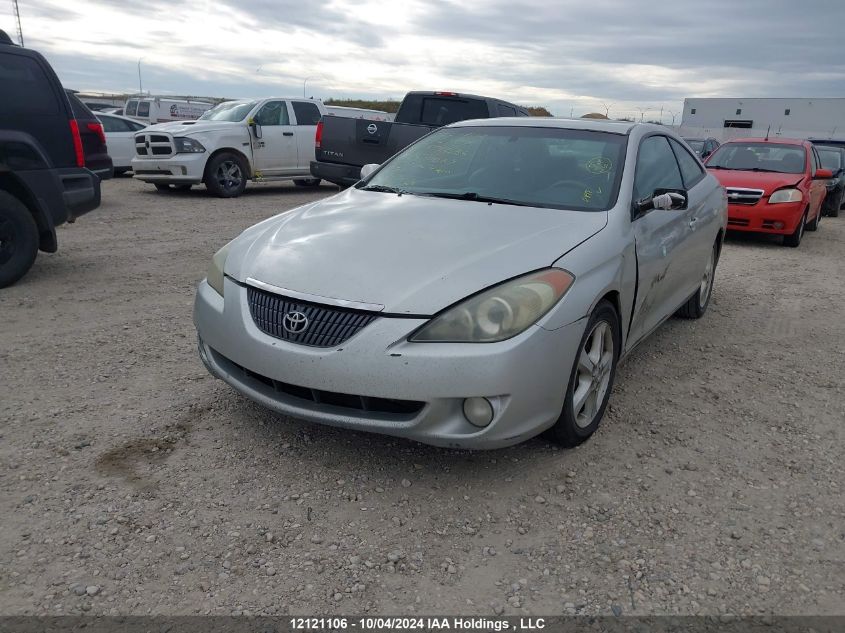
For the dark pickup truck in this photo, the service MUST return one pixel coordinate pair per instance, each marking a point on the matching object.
(344, 145)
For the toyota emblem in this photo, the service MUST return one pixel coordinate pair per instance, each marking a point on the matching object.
(372, 128)
(295, 322)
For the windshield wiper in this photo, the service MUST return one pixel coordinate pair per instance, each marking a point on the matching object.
(383, 189)
(471, 195)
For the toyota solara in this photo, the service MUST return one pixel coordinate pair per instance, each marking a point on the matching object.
(476, 289)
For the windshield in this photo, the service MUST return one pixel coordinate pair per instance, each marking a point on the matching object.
(831, 159)
(784, 159)
(696, 145)
(522, 166)
(229, 111)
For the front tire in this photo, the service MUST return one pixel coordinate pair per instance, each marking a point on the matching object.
(18, 239)
(591, 379)
(225, 175)
(814, 225)
(794, 239)
(697, 304)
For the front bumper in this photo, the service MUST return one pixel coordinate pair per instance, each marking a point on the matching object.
(177, 169)
(764, 217)
(525, 377)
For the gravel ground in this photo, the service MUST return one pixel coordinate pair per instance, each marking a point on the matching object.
(133, 482)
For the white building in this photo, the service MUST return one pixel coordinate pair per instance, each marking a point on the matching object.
(793, 118)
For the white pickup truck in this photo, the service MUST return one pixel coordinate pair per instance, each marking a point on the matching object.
(260, 139)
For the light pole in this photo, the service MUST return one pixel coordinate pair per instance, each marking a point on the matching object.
(305, 83)
(140, 85)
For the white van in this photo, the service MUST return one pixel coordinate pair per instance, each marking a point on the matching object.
(152, 110)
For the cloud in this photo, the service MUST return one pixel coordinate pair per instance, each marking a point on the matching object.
(571, 56)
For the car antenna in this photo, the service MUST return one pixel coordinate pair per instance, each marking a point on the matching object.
(767, 131)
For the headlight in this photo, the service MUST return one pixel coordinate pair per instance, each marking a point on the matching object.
(786, 195)
(185, 145)
(215, 271)
(500, 312)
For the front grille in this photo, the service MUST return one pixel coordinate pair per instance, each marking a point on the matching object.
(740, 195)
(153, 145)
(738, 222)
(332, 398)
(327, 326)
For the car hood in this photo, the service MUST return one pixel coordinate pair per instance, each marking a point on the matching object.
(186, 128)
(767, 181)
(410, 254)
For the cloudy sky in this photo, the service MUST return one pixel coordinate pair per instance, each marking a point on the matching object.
(630, 56)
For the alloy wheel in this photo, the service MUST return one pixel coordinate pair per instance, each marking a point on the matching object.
(595, 364)
(229, 175)
(707, 280)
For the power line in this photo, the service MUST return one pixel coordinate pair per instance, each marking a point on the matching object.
(18, 21)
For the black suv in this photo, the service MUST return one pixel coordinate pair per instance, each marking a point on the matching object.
(44, 178)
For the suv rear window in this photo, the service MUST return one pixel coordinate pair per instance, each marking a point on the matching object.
(26, 88)
(440, 111)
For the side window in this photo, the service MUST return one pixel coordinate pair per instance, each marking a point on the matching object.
(144, 108)
(25, 87)
(131, 108)
(306, 113)
(656, 168)
(506, 110)
(691, 171)
(134, 127)
(273, 113)
(111, 124)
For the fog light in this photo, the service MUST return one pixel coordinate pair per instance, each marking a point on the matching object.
(478, 411)
(778, 225)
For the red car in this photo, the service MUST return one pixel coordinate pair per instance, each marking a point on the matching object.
(774, 185)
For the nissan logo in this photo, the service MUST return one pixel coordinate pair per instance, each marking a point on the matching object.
(372, 128)
(295, 322)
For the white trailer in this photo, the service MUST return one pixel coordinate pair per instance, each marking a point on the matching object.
(786, 117)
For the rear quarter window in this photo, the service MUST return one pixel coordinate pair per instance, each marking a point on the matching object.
(306, 113)
(26, 88)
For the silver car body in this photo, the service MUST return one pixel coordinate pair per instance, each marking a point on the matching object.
(406, 258)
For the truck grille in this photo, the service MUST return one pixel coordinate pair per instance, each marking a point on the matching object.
(153, 145)
(323, 326)
(740, 195)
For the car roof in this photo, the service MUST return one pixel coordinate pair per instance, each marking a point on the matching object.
(775, 140)
(596, 125)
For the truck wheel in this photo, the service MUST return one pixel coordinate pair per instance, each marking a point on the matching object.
(307, 182)
(225, 175)
(18, 239)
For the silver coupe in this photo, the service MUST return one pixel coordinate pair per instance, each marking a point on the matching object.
(476, 289)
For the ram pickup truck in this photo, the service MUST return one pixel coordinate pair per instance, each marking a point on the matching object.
(344, 145)
(236, 141)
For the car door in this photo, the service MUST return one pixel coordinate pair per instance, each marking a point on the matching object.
(702, 216)
(660, 237)
(120, 140)
(306, 117)
(818, 188)
(275, 152)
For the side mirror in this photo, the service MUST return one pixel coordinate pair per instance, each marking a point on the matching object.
(254, 128)
(823, 174)
(665, 199)
(368, 169)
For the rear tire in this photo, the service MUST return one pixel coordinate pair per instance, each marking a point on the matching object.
(225, 175)
(794, 239)
(18, 239)
(697, 304)
(307, 182)
(591, 378)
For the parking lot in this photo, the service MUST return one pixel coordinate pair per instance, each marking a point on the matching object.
(133, 482)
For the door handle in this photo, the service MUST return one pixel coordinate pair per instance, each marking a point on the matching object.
(287, 133)
(692, 222)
